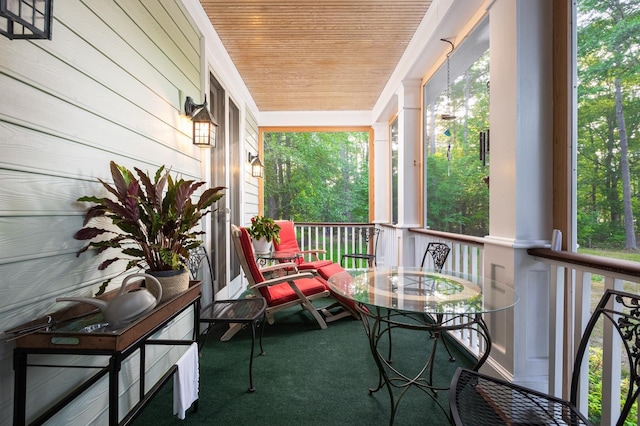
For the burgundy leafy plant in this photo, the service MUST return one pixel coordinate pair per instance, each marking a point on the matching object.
(153, 221)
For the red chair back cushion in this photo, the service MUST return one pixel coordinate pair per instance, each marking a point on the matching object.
(287, 236)
(247, 250)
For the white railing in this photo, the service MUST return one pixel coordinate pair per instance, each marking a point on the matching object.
(577, 284)
(394, 244)
(336, 239)
(466, 257)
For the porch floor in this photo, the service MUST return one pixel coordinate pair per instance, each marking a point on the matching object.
(307, 376)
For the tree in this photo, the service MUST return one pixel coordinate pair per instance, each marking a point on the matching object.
(608, 43)
(317, 176)
(457, 195)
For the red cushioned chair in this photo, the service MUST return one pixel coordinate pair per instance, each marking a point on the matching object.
(283, 291)
(346, 306)
(308, 259)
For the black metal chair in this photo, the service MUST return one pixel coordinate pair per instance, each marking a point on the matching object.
(477, 399)
(370, 236)
(236, 311)
(439, 253)
(194, 262)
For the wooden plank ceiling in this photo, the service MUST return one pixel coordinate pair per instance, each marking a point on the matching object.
(315, 55)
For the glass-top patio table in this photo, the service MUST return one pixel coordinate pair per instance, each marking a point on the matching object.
(277, 257)
(423, 300)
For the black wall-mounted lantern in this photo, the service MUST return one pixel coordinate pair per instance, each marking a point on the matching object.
(257, 168)
(26, 19)
(204, 125)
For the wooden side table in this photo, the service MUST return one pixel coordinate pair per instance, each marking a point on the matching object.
(116, 346)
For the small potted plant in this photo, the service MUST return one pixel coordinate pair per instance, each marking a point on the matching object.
(151, 220)
(263, 231)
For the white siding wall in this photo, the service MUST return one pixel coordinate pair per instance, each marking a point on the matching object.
(110, 85)
(251, 186)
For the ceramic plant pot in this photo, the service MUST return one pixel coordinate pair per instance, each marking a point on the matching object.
(172, 282)
(261, 246)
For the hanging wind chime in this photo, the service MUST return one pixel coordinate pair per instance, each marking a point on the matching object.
(448, 115)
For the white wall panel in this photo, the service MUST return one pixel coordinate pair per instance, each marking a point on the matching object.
(251, 184)
(110, 85)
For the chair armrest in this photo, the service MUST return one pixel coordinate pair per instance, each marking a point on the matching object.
(282, 279)
(313, 253)
(279, 266)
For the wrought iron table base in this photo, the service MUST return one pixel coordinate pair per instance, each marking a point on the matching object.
(379, 322)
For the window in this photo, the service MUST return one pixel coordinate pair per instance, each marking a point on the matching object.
(456, 175)
(316, 176)
(608, 138)
(393, 137)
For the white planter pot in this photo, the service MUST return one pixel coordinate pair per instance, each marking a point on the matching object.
(261, 246)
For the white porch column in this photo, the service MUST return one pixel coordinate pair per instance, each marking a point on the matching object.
(409, 154)
(409, 159)
(381, 172)
(521, 187)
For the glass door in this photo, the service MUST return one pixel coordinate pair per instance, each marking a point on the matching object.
(218, 219)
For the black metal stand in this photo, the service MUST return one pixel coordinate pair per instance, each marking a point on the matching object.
(116, 357)
(239, 311)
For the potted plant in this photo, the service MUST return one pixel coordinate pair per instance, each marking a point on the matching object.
(263, 231)
(151, 222)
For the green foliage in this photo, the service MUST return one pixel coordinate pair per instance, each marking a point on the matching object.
(317, 176)
(608, 42)
(456, 180)
(152, 227)
(595, 389)
(264, 227)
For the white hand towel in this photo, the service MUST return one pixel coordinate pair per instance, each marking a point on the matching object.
(186, 381)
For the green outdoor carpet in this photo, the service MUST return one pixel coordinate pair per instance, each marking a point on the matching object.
(307, 376)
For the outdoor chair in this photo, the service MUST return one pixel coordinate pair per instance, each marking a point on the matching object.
(477, 399)
(347, 307)
(286, 289)
(308, 259)
(438, 252)
(370, 236)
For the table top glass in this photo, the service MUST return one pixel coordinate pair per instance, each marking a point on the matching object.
(423, 290)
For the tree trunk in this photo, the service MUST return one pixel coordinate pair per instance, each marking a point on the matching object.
(629, 228)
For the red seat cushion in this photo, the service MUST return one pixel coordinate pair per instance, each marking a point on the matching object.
(316, 264)
(329, 270)
(283, 293)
